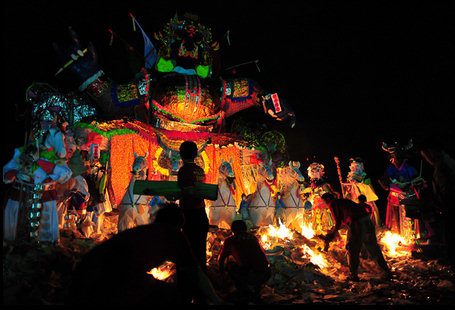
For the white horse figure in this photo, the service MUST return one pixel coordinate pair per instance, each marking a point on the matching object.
(134, 209)
(262, 205)
(291, 183)
(222, 210)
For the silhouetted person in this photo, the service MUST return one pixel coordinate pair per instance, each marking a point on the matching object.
(443, 182)
(368, 208)
(196, 224)
(361, 232)
(249, 268)
(115, 272)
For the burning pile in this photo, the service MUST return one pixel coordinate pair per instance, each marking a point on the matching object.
(164, 272)
(394, 245)
(297, 257)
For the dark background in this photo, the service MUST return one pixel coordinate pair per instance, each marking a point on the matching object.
(356, 74)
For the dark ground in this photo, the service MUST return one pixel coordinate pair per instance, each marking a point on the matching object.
(41, 276)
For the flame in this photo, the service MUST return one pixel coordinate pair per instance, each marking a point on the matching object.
(307, 231)
(266, 243)
(164, 271)
(392, 241)
(271, 235)
(281, 232)
(316, 258)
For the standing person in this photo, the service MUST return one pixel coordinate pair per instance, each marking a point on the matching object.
(368, 207)
(196, 221)
(361, 232)
(443, 182)
(250, 268)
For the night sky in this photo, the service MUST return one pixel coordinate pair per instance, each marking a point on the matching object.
(355, 74)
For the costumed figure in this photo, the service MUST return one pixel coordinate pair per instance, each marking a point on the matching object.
(73, 206)
(96, 177)
(280, 210)
(321, 215)
(243, 211)
(403, 182)
(359, 183)
(34, 171)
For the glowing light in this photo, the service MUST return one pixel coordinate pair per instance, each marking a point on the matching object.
(272, 235)
(281, 232)
(316, 258)
(307, 231)
(163, 272)
(392, 242)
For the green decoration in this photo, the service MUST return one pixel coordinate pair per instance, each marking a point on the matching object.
(203, 71)
(164, 65)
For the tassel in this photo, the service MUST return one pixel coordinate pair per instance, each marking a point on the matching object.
(133, 21)
(111, 40)
(228, 38)
(256, 62)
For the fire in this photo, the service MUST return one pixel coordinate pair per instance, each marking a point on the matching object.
(266, 243)
(316, 258)
(307, 231)
(392, 241)
(281, 232)
(271, 235)
(164, 271)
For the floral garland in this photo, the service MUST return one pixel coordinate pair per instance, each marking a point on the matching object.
(103, 129)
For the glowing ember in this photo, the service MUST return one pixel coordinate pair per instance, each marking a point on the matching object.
(266, 243)
(164, 271)
(392, 241)
(316, 258)
(307, 231)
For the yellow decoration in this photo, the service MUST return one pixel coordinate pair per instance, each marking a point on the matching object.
(161, 170)
(205, 158)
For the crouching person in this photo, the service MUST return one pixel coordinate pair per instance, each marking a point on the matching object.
(250, 268)
(120, 267)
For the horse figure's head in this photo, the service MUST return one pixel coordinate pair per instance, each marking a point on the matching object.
(294, 172)
(56, 140)
(140, 166)
(175, 159)
(226, 172)
(265, 170)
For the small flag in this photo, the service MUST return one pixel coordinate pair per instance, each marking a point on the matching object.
(150, 53)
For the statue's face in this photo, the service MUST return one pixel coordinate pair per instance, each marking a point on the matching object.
(356, 167)
(396, 160)
(315, 171)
